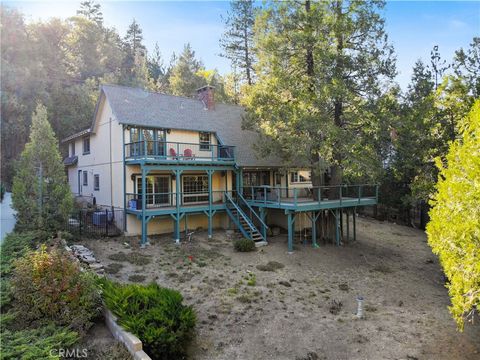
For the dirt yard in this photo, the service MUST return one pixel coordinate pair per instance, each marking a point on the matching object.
(272, 305)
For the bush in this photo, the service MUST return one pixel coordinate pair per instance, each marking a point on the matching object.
(454, 229)
(49, 286)
(244, 245)
(155, 314)
(16, 245)
(33, 344)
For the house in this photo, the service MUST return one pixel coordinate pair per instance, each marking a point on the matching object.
(174, 163)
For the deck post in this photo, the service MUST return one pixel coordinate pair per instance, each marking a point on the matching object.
(354, 224)
(314, 229)
(263, 217)
(291, 226)
(337, 227)
(210, 172)
(144, 205)
(178, 174)
(124, 182)
(348, 224)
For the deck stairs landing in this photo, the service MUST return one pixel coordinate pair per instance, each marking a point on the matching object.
(243, 222)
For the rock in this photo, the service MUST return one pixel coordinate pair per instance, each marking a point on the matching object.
(285, 283)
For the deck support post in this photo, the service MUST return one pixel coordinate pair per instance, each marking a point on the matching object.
(337, 227)
(315, 216)
(144, 240)
(354, 224)
(263, 216)
(178, 174)
(210, 215)
(291, 229)
(348, 224)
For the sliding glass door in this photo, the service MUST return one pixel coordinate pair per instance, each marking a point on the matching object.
(157, 190)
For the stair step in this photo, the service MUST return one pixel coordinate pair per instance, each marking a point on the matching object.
(261, 243)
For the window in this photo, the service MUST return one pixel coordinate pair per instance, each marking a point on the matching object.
(96, 182)
(85, 178)
(299, 176)
(72, 148)
(204, 141)
(195, 188)
(157, 190)
(86, 145)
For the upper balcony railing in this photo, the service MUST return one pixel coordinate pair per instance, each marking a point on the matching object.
(169, 151)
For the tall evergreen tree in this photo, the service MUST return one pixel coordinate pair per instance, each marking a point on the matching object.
(40, 194)
(320, 63)
(134, 39)
(185, 77)
(467, 66)
(91, 10)
(237, 41)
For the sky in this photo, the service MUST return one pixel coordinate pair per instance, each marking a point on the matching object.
(413, 27)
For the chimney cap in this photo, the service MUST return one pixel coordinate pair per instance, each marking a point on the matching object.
(205, 87)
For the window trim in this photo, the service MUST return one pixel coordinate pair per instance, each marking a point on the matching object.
(85, 178)
(204, 144)
(295, 178)
(85, 138)
(96, 182)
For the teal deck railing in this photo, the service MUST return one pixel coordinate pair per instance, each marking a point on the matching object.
(169, 199)
(178, 151)
(273, 195)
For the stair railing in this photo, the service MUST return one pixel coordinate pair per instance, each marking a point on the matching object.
(240, 212)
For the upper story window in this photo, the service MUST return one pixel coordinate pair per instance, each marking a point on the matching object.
(205, 141)
(299, 177)
(86, 145)
(72, 148)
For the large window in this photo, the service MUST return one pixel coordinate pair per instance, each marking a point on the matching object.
(204, 141)
(300, 176)
(85, 178)
(155, 139)
(86, 145)
(195, 188)
(96, 182)
(157, 190)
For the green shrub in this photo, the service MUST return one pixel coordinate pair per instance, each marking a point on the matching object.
(454, 227)
(49, 286)
(15, 245)
(155, 314)
(33, 344)
(244, 245)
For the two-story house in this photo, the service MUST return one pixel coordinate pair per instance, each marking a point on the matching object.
(174, 163)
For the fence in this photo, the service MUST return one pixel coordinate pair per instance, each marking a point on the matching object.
(91, 222)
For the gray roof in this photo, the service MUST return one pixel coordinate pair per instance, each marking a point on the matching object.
(135, 106)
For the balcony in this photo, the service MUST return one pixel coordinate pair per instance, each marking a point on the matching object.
(168, 152)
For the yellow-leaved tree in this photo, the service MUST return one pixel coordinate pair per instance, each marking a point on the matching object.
(454, 228)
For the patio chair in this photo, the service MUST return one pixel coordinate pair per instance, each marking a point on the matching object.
(173, 153)
(188, 154)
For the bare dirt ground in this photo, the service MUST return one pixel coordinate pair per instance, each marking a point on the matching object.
(305, 308)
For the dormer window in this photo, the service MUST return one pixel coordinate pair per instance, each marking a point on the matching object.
(205, 141)
(86, 145)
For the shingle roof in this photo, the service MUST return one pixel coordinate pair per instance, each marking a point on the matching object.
(135, 106)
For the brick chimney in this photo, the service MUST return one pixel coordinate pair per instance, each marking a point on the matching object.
(206, 95)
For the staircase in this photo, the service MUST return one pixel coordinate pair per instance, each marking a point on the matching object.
(242, 221)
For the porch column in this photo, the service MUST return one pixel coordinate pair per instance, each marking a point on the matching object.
(337, 227)
(144, 205)
(291, 229)
(354, 224)
(178, 174)
(263, 216)
(210, 215)
(315, 216)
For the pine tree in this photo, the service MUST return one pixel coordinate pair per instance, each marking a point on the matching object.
(467, 66)
(40, 193)
(454, 229)
(237, 41)
(185, 78)
(91, 10)
(134, 40)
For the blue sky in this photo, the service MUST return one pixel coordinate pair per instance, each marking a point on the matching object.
(414, 27)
